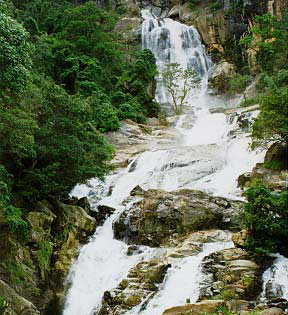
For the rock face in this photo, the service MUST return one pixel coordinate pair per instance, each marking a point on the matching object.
(141, 283)
(16, 303)
(161, 214)
(219, 75)
(222, 24)
(33, 271)
(273, 172)
(231, 274)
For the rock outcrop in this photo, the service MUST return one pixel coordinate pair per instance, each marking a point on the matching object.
(161, 214)
(231, 274)
(273, 172)
(33, 270)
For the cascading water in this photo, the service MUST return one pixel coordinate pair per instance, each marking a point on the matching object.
(205, 157)
(275, 279)
(173, 42)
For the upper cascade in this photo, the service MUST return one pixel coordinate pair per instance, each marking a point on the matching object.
(173, 42)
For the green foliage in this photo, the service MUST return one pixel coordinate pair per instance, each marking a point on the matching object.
(105, 115)
(238, 83)
(272, 123)
(265, 215)
(15, 52)
(193, 3)
(214, 6)
(43, 256)
(80, 82)
(249, 102)
(69, 149)
(269, 40)
(275, 165)
(13, 218)
(179, 84)
(16, 273)
(3, 305)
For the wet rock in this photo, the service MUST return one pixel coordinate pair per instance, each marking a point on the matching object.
(174, 12)
(219, 75)
(278, 302)
(240, 238)
(137, 191)
(75, 217)
(244, 179)
(231, 274)
(272, 178)
(141, 284)
(272, 311)
(102, 213)
(160, 214)
(204, 307)
(40, 223)
(238, 306)
(84, 203)
(134, 250)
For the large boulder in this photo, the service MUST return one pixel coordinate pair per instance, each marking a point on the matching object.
(220, 75)
(161, 214)
(231, 274)
(142, 283)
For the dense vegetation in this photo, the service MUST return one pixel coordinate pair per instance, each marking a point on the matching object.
(266, 213)
(64, 80)
(266, 218)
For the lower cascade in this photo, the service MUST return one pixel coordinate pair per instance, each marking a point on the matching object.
(205, 151)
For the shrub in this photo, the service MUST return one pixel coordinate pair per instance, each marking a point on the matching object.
(265, 215)
(131, 111)
(13, 218)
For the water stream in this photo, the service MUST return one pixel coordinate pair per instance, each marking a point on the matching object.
(209, 155)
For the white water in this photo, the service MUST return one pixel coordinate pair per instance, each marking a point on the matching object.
(205, 157)
(275, 278)
(181, 282)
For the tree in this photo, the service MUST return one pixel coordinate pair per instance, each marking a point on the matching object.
(272, 122)
(179, 84)
(15, 56)
(265, 215)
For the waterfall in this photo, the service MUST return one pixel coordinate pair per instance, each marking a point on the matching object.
(181, 282)
(275, 279)
(205, 156)
(173, 42)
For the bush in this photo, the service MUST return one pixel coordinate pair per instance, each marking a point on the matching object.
(131, 111)
(238, 83)
(265, 215)
(105, 116)
(272, 123)
(249, 102)
(13, 218)
(15, 60)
